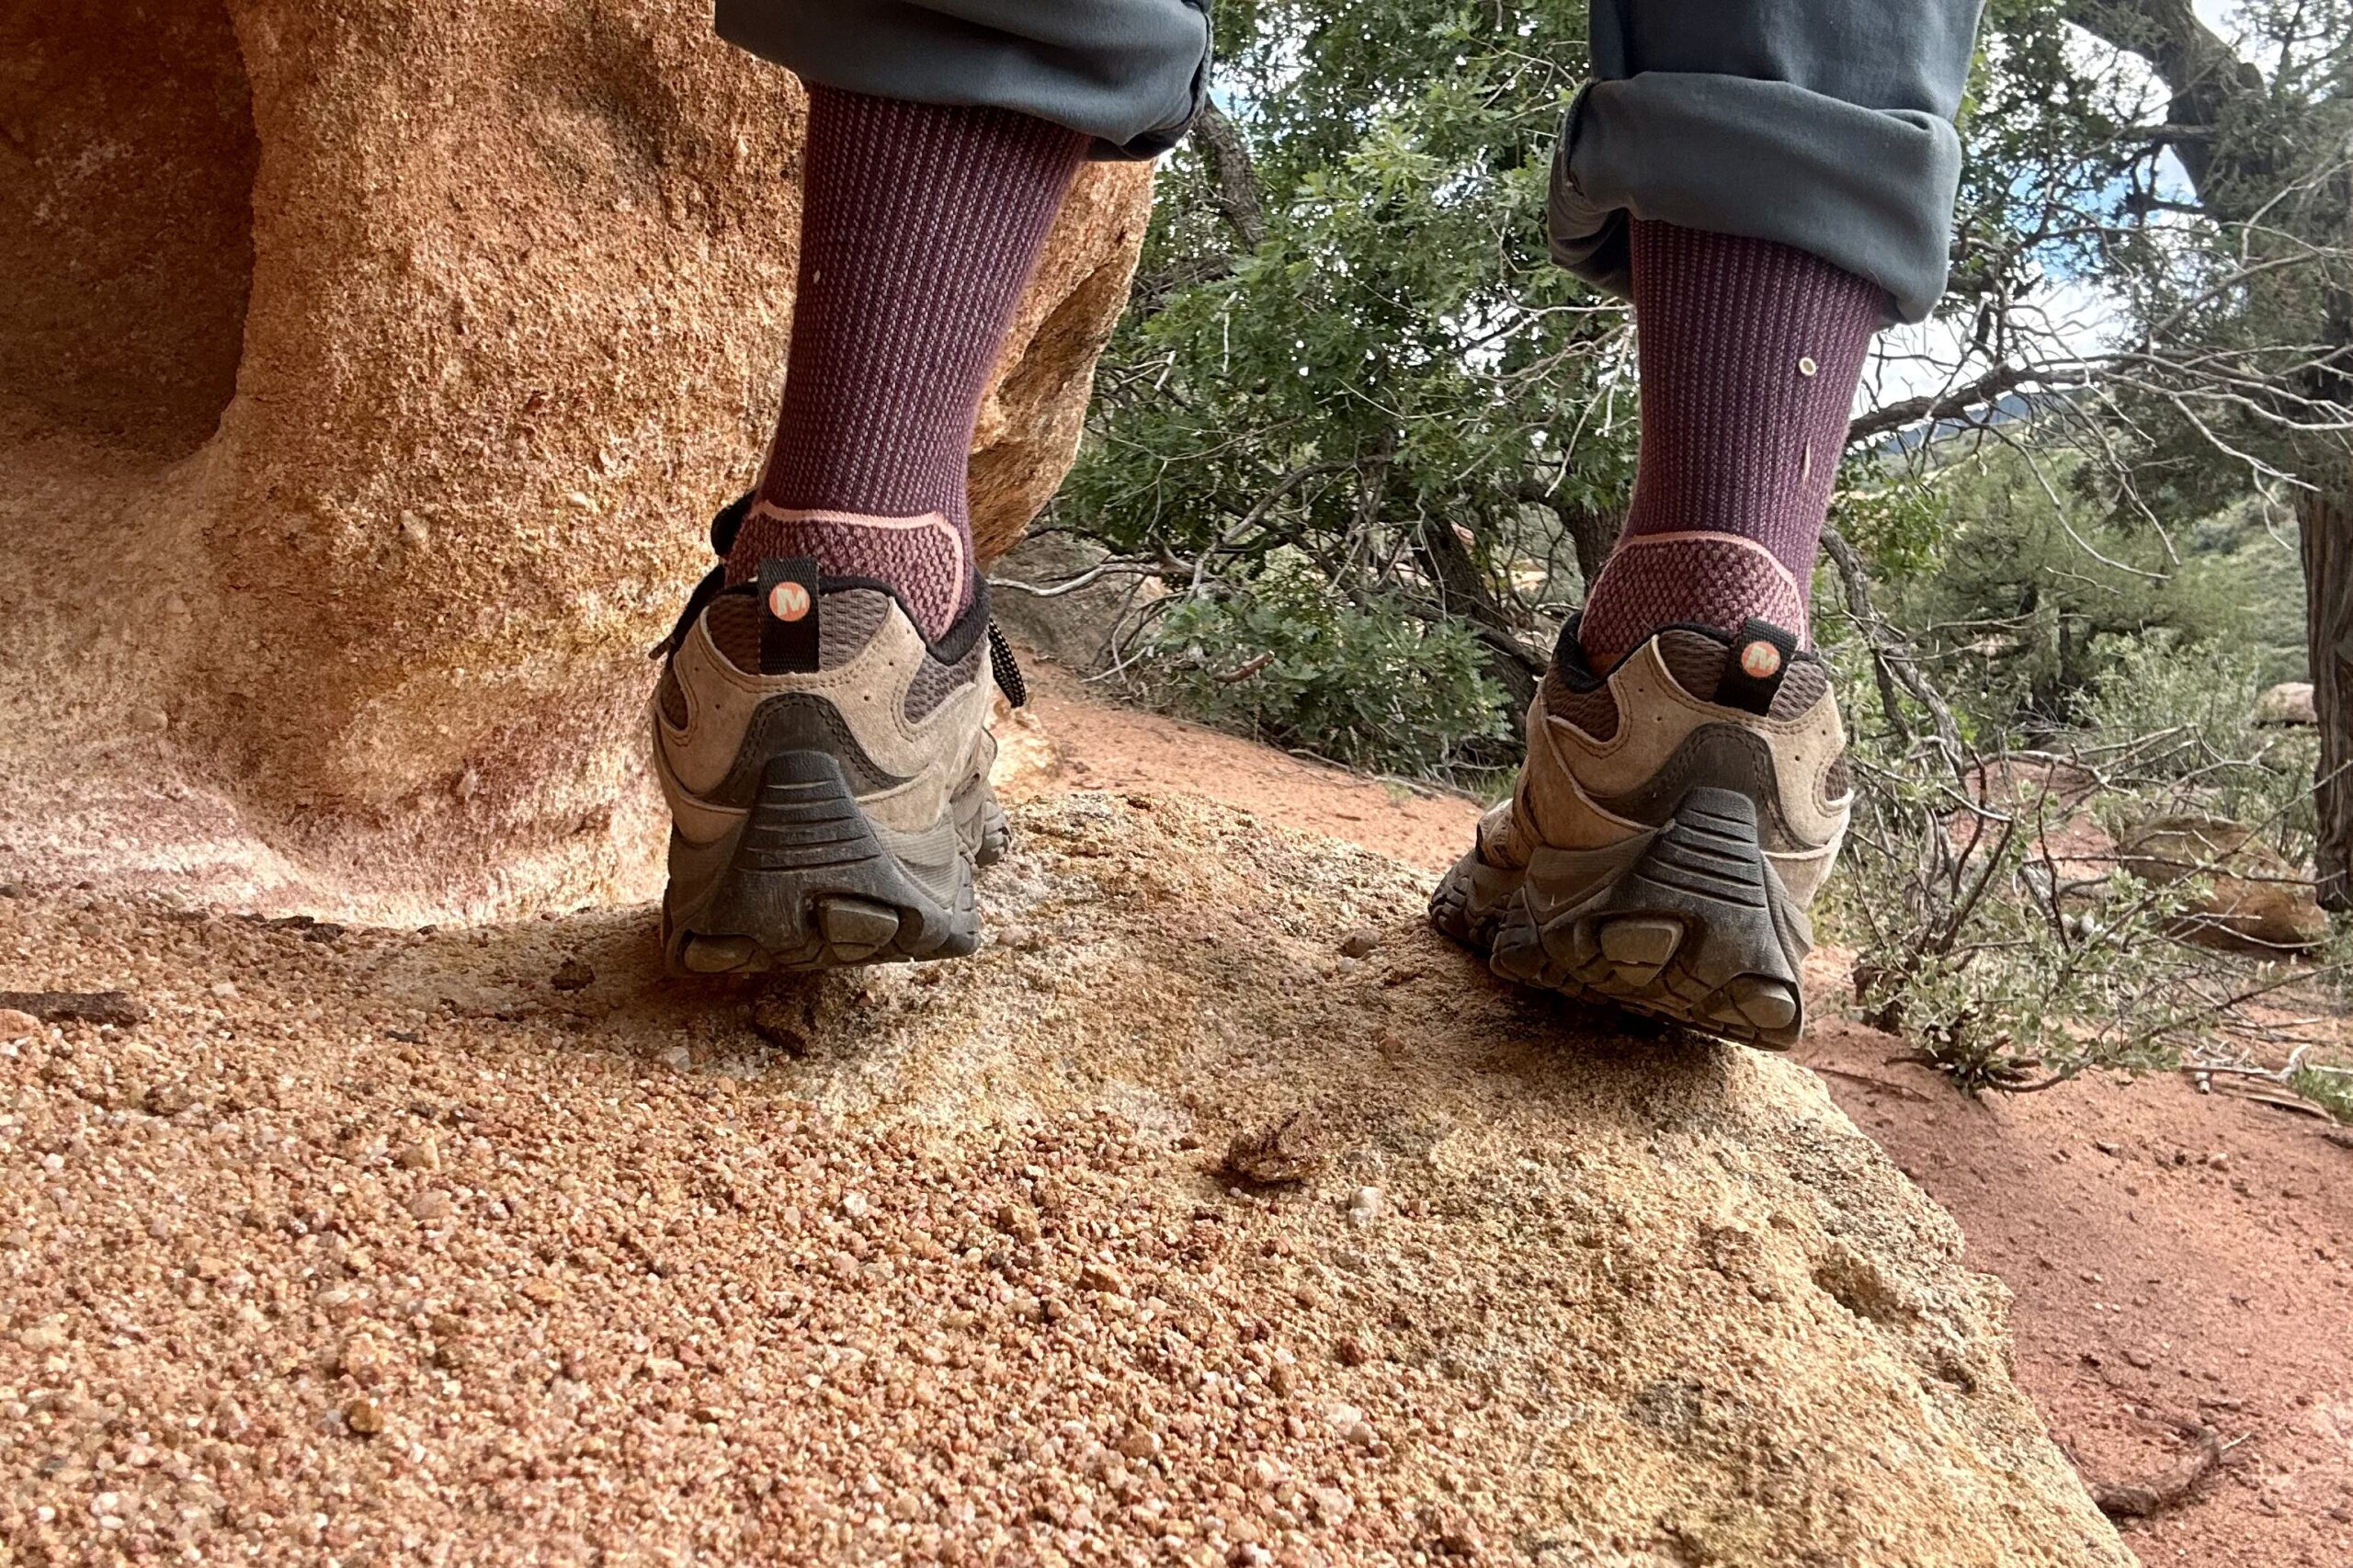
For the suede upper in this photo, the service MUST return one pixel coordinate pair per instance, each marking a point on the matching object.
(1609, 758)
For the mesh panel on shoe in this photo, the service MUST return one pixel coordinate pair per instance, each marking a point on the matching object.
(935, 682)
(1697, 662)
(1695, 659)
(734, 622)
(1594, 711)
(849, 619)
(1837, 781)
(1802, 687)
(673, 697)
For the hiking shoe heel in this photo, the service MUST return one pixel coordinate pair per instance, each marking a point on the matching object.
(806, 884)
(1672, 822)
(1698, 929)
(826, 766)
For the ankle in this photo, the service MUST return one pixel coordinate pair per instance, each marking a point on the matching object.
(925, 559)
(1715, 580)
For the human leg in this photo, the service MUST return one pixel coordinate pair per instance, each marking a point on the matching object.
(820, 727)
(1770, 180)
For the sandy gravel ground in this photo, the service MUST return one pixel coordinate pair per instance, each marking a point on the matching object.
(485, 1245)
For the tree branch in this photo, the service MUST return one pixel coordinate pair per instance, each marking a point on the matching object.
(1233, 178)
(1999, 381)
(2205, 78)
(1891, 655)
(1591, 533)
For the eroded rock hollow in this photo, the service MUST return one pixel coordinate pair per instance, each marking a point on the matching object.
(367, 374)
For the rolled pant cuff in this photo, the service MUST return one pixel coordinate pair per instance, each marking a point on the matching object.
(1868, 190)
(1132, 76)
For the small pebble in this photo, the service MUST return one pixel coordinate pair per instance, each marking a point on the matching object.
(364, 1416)
(1359, 943)
(359, 1360)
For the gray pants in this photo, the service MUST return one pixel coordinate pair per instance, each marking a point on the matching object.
(1822, 124)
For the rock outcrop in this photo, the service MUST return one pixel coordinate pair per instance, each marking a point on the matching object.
(2251, 900)
(367, 374)
(491, 1241)
(2288, 705)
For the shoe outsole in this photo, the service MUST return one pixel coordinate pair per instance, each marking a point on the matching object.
(1695, 929)
(807, 885)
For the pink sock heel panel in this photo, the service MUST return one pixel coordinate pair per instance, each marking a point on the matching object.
(1689, 580)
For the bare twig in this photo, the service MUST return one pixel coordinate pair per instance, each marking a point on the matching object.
(2146, 1499)
(1235, 676)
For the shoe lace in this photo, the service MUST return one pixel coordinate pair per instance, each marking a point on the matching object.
(1007, 669)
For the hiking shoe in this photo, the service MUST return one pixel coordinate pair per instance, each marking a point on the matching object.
(1673, 821)
(827, 772)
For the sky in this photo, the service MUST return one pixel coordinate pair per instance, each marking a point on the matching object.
(1928, 358)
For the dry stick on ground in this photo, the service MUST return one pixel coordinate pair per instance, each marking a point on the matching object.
(77, 1007)
(2143, 1500)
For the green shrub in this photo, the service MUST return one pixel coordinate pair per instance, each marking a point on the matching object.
(2331, 1088)
(2179, 716)
(1282, 658)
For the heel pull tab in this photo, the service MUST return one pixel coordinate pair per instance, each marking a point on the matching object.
(788, 607)
(1760, 657)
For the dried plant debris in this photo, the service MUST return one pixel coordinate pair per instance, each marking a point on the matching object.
(1280, 1154)
(2146, 1499)
(785, 1019)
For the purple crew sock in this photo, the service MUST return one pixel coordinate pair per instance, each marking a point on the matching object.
(920, 225)
(1750, 355)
